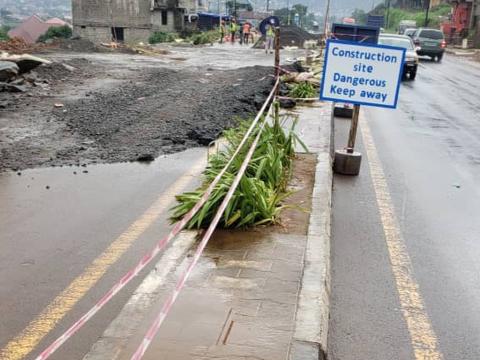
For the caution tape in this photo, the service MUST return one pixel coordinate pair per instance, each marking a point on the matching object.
(45, 354)
(167, 306)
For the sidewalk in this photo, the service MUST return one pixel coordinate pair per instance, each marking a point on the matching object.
(260, 294)
(462, 52)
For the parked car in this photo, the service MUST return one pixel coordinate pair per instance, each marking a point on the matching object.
(411, 58)
(431, 42)
(406, 24)
(410, 32)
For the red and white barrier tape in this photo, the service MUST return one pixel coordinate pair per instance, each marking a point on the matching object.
(158, 248)
(152, 331)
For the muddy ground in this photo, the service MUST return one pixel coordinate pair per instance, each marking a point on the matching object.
(99, 114)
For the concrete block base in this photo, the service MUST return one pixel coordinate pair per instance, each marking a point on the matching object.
(346, 163)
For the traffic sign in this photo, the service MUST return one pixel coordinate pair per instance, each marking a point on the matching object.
(362, 74)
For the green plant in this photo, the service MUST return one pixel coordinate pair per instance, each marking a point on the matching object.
(303, 90)
(259, 196)
(206, 37)
(4, 33)
(161, 37)
(56, 32)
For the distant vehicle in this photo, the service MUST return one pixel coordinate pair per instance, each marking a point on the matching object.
(410, 32)
(411, 58)
(347, 20)
(406, 24)
(431, 42)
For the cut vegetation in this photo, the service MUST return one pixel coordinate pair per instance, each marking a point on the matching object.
(303, 90)
(259, 197)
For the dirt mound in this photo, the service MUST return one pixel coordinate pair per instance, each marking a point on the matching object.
(76, 45)
(290, 35)
(144, 118)
(158, 112)
(57, 71)
(294, 36)
(19, 46)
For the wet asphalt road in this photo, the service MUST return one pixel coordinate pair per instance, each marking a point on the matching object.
(429, 149)
(51, 236)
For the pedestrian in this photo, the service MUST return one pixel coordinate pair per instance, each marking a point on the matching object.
(233, 30)
(246, 32)
(223, 30)
(269, 37)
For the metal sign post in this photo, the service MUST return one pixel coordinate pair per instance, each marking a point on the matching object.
(277, 51)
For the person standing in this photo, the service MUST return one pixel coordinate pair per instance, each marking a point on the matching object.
(233, 30)
(223, 31)
(269, 38)
(246, 32)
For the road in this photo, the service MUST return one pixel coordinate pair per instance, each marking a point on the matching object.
(405, 249)
(69, 233)
(62, 248)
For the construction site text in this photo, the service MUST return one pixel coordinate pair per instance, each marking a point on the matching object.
(362, 74)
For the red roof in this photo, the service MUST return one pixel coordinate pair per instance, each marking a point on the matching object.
(33, 27)
(57, 21)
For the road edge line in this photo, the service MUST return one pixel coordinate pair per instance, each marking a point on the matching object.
(313, 308)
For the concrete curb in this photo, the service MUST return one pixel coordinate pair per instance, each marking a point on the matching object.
(461, 52)
(311, 324)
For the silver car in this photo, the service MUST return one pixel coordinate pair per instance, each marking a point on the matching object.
(411, 57)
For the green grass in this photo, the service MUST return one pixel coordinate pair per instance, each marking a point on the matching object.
(262, 190)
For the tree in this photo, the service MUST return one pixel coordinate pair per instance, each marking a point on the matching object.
(282, 14)
(56, 32)
(360, 16)
(301, 10)
(238, 5)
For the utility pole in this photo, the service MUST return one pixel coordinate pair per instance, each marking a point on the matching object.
(388, 14)
(268, 5)
(288, 12)
(427, 3)
(327, 15)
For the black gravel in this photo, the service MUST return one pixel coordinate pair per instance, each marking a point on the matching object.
(160, 112)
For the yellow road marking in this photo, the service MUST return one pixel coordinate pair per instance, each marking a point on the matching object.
(423, 338)
(29, 338)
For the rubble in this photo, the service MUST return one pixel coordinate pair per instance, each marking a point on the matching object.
(20, 46)
(25, 62)
(8, 70)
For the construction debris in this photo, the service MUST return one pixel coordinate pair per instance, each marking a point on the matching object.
(20, 46)
(8, 70)
(24, 62)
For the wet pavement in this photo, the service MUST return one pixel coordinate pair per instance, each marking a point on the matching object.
(428, 150)
(69, 233)
(56, 221)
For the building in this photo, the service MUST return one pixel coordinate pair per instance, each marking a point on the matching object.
(33, 27)
(464, 22)
(132, 20)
